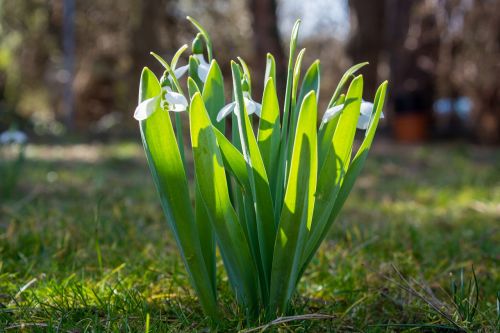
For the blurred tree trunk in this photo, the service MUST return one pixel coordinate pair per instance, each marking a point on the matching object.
(397, 26)
(368, 42)
(413, 43)
(267, 39)
(470, 61)
(153, 25)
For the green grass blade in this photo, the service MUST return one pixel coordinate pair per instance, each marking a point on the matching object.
(213, 94)
(230, 235)
(168, 172)
(268, 136)
(297, 209)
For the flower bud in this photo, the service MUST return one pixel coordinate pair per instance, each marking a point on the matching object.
(245, 85)
(197, 46)
(165, 80)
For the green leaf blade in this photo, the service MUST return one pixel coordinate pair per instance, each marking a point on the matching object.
(268, 136)
(347, 75)
(310, 83)
(207, 236)
(336, 162)
(270, 68)
(259, 183)
(211, 176)
(167, 168)
(297, 210)
(213, 94)
(282, 162)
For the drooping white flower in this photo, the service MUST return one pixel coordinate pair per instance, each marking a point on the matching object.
(364, 117)
(250, 105)
(171, 101)
(13, 136)
(179, 72)
(203, 67)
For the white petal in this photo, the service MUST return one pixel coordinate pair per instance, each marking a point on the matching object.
(249, 105)
(174, 98)
(225, 111)
(176, 107)
(366, 108)
(332, 113)
(201, 59)
(252, 106)
(203, 67)
(179, 72)
(203, 72)
(146, 108)
(258, 109)
(363, 121)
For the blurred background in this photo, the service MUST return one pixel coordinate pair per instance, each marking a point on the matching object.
(80, 221)
(70, 68)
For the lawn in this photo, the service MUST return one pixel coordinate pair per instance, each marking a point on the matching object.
(84, 247)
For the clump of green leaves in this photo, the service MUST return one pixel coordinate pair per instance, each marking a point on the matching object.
(266, 198)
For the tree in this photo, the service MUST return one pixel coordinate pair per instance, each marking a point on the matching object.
(267, 38)
(469, 60)
(368, 41)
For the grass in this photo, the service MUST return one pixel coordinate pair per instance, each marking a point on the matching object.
(84, 247)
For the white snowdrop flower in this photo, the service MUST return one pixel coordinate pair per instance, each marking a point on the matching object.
(364, 117)
(250, 105)
(172, 101)
(203, 67)
(179, 72)
(13, 136)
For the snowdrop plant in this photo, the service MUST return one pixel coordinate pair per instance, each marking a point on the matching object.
(266, 197)
(12, 146)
